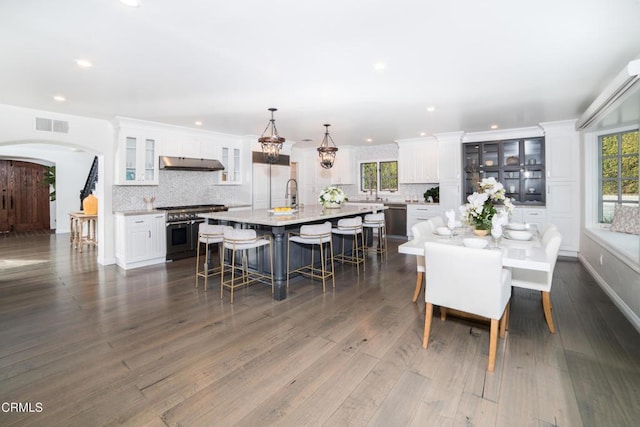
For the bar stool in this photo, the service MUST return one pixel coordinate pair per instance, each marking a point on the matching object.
(241, 240)
(376, 220)
(209, 234)
(320, 235)
(351, 227)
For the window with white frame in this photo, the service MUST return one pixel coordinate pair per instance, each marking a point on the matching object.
(618, 161)
(380, 176)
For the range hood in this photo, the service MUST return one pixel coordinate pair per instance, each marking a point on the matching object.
(189, 164)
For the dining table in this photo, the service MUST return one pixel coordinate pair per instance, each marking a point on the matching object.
(525, 254)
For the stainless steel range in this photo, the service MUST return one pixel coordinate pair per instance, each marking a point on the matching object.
(182, 228)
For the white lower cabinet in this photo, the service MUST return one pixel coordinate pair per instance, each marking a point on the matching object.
(419, 213)
(536, 216)
(140, 240)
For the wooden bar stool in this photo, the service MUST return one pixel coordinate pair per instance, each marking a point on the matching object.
(376, 221)
(241, 240)
(209, 234)
(314, 235)
(351, 227)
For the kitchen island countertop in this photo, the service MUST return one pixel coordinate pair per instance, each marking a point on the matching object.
(309, 213)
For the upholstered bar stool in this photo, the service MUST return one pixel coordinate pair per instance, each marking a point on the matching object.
(314, 235)
(209, 234)
(242, 240)
(351, 227)
(376, 220)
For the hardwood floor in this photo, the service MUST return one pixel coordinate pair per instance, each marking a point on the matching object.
(100, 346)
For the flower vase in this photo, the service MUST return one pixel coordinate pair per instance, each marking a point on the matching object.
(331, 205)
(480, 233)
(90, 205)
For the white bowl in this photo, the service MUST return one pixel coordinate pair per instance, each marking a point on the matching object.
(475, 243)
(517, 226)
(443, 231)
(519, 235)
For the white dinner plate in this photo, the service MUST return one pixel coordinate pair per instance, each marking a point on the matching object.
(506, 236)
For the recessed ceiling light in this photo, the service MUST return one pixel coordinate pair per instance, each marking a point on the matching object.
(84, 63)
(431, 109)
(369, 140)
(59, 98)
(130, 3)
(379, 66)
(494, 126)
(198, 123)
(423, 133)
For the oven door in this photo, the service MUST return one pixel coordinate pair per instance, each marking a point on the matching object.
(179, 239)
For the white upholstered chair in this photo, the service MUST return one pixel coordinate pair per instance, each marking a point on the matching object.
(469, 280)
(243, 240)
(541, 280)
(314, 235)
(351, 228)
(376, 221)
(209, 234)
(420, 230)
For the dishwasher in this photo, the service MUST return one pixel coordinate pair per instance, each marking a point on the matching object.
(396, 219)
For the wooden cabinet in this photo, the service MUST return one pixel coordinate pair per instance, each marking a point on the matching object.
(418, 161)
(419, 213)
(140, 240)
(519, 164)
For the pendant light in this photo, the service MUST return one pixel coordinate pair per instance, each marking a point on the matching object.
(327, 152)
(271, 144)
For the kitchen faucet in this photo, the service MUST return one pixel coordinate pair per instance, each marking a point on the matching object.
(294, 195)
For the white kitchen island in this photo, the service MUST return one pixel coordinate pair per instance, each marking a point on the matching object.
(279, 224)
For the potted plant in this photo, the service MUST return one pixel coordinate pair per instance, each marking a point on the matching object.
(434, 193)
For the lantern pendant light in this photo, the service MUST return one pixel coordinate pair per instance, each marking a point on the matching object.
(327, 152)
(270, 141)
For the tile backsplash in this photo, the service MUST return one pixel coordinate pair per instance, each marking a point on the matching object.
(178, 188)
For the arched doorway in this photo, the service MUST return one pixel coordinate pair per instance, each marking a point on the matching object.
(24, 196)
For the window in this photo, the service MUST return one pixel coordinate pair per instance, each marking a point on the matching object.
(384, 181)
(618, 163)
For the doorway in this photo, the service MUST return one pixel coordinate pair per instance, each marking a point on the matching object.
(24, 197)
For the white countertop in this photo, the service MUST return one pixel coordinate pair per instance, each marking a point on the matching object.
(309, 213)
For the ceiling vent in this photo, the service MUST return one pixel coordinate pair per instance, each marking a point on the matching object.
(50, 125)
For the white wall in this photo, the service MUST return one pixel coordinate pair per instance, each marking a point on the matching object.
(92, 136)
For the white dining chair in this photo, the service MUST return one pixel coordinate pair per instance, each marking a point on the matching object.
(468, 280)
(421, 230)
(541, 280)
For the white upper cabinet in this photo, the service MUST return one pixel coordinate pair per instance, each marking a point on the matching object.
(343, 171)
(231, 158)
(418, 161)
(136, 157)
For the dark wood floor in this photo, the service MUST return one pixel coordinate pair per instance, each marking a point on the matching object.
(100, 346)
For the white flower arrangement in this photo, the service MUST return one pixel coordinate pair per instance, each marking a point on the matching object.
(332, 195)
(480, 210)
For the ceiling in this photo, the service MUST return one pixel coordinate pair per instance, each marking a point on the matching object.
(478, 63)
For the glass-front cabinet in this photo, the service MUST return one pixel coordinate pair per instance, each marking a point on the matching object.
(518, 164)
(138, 164)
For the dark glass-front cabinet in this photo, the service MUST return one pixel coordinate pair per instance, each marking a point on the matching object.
(517, 163)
